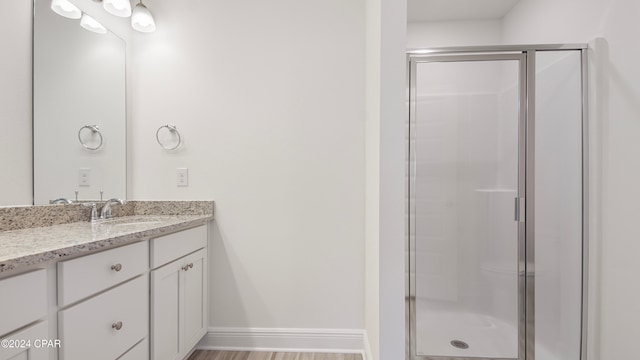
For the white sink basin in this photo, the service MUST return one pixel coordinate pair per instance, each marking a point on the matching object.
(136, 223)
(129, 221)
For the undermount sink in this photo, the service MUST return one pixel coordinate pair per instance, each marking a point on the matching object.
(135, 223)
(130, 221)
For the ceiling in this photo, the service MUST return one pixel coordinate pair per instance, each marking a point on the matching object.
(444, 10)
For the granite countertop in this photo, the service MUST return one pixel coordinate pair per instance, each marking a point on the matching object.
(29, 247)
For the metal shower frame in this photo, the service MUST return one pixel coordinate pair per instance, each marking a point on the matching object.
(526, 55)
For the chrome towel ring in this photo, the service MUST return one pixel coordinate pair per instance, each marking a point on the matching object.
(95, 130)
(173, 130)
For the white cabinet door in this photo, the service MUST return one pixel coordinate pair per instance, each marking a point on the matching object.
(194, 286)
(178, 306)
(27, 344)
(165, 309)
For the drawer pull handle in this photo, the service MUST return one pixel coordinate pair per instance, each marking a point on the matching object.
(116, 267)
(117, 325)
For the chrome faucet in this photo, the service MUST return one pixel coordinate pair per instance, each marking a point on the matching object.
(105, 213)
(61, 201)
(94, 211)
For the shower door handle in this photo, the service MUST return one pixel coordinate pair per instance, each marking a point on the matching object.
(518, 209)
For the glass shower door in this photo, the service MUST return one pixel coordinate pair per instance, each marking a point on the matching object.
(467, 156)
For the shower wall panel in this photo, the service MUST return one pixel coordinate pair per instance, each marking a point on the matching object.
(558, 202)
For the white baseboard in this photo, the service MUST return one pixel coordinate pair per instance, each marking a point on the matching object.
(285, 340)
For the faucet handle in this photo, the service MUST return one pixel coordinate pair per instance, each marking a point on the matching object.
(94, 211)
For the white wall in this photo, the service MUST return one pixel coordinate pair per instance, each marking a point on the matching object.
(385, 144)
(372, 180)
(15, 103)
(453, 33)
(615, 168)
(269, 99)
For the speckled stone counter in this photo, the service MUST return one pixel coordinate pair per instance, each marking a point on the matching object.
(32, 246)
(23, 217)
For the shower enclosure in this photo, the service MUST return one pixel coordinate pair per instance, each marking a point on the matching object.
(497, 237)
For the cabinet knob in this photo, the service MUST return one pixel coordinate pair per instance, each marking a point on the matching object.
(191, 266)
(186, 267)
(116, 267)
(117, 325)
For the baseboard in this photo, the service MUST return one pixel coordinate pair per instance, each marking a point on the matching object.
(284, 340)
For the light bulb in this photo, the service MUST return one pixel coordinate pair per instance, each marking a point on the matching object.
(92, 24)
(120, 8)
(142, 20)
(66, 9)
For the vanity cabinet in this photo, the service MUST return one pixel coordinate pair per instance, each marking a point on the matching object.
(147, 300)
(23, 301)
(178, 293)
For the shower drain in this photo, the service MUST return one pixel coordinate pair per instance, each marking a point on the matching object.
(459, 344)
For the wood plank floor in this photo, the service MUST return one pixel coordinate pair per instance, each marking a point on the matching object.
(246, 355)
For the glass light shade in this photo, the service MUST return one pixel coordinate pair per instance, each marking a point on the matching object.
(142, 20)
(92, 24)
(120, 8)
(66, 9)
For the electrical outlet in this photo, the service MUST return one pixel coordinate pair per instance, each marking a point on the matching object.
(84, 177)
(183, 177)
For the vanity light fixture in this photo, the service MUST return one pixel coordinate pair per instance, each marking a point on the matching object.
(92, 24)
(120, 8)
(142, 20)
(66, 9)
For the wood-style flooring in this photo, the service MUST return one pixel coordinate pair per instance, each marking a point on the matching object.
(246, 355)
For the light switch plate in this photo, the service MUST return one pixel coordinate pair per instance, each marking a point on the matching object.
(183, 177)
(84, 177)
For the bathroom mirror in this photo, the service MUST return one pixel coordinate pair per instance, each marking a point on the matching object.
(79, 108)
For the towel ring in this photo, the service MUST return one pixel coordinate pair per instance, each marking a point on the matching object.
(96, 130)
(171, 128)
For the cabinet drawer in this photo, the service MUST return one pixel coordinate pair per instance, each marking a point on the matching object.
(29, 343)
(82, 277)
(170, 247)
(23, 300)
(89, 330)
(139, 352)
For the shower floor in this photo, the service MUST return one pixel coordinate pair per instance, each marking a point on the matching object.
(440, 323)
(488, 337)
